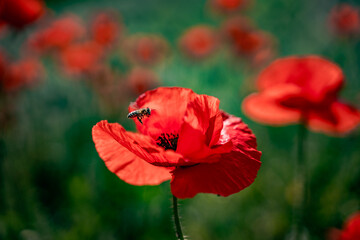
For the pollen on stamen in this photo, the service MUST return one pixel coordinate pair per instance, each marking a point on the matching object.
(168, 141)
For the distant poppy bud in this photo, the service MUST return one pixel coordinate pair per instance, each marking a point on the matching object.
(19, 13)
(199, 41)
(345, 20)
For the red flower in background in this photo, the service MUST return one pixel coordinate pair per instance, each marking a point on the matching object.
(351, 230)
(228, 6)
(19, 13)
(81, 58)
(345, 19)
(2, 28)
(142, 79)
(187, 139)
(22, 73)
(199, 41)
(60, 34)
(145, 49)
(248, 42)
(235, 27)
(3, 63)
(302, 89)
(105, 30)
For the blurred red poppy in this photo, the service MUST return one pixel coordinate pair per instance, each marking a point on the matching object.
(81, 58)
(345, 20)
(19, 13)
(187, 139)
(142, 79)
(234, 27)
(2, 28)
(58, 35)
(246, 41)
(105, 29)
(145, 49)
(22, 73)
(228, 6)
(3, 63)
(199, 41)
(302, 89)
(351, 230)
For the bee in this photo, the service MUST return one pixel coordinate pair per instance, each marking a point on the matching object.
(140, 114)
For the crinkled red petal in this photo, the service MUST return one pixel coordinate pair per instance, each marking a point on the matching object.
(168, 106)
(339, 118)
(234, 171)
(139, 145)
(124, 163)
(317, 76)
(201, 129)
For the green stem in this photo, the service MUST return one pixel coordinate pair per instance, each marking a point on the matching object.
(179, 233)
(300, 185)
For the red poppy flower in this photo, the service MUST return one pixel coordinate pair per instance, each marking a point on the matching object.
(350, 231)
(302, 89)
(235, 27)
(2, 28)
(345, 19)
(251, 42)
(60, 34)
(19, 13)
(142, 79)
(22, 73)
(145, 49)
(246, 41)
(105, 30)
(228, 6)
(186, 139)
(81, 58)
(199, 41)
(3, 63)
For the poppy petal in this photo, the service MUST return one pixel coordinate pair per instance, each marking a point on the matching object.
(318, 76)
(168, 106)
(351, 229)
(239, 133)
(125, 164)
(235, 171)
(339, 118)
(266, 107)
(201, 129)
(112, 134)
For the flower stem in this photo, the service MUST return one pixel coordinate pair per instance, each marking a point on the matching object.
(179, 233)
(300, 193)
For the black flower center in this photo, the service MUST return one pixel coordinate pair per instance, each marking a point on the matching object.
(168, 141)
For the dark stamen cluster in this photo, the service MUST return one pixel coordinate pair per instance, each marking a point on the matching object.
(168, 141)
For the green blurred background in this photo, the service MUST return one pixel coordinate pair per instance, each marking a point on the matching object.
(53, 185)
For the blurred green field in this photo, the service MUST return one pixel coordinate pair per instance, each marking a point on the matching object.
(53, 184)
